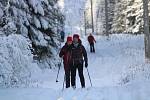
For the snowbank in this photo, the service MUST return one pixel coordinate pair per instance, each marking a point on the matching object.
(16, 61)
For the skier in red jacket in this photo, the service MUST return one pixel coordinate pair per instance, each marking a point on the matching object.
(66, 53)
(91, 41)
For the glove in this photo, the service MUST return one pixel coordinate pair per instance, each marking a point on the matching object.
(86, 64)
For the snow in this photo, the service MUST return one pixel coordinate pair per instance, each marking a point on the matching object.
(44, 23)
(16, 61)
(24, 94)
(74, 15)
(40, 38)
(128, 16)
(61, 4)
(27, 17)
(118, 71)
(36, 4)
(11, 26)
(45, 1)
(37, 22)
(40, 9)
(24, 31)
(130, 92)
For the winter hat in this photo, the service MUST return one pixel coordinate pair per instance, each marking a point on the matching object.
(76, 36)
(69, 38)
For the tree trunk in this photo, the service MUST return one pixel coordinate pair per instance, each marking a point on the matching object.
(92, 16)
(85, 21)
(146, 29)
(106, 16)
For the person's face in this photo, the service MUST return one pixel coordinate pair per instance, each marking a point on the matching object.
(69, 42)
(75, 40)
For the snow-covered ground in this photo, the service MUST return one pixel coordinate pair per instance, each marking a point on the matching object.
(118, 71)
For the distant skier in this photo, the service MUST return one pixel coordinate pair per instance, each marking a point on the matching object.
(78, 53)
(66, 53)
(62, 33)
(91, 41)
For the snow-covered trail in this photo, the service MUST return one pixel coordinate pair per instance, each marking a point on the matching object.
(115, 63)
(113, 58)
(108, 65)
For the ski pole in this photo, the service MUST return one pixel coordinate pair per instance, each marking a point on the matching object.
(89, 77)
(58, 71)
(64, 82)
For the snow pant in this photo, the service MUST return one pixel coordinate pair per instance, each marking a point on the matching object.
(74, 68)
(92, 48)
(67, 78)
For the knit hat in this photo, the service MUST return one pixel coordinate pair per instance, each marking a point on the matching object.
(69, 38)
(76, 36)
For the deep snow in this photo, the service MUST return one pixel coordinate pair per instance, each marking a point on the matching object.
(118, 71)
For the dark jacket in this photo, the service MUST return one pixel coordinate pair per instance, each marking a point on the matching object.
(78, 53)
(91, 39)
(66, 53)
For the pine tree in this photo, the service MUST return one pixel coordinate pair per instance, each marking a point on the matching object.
(119, 17)
(38, 20)
(101, 18)
(128, 16)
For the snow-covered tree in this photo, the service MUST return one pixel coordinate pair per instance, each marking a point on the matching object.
(119, 17)
(38, 20)
(135, 16)
(128, 16)
(100, 16)
(16, 61)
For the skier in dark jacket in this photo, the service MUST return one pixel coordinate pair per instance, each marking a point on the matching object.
(66, 53)
(91, 41)
(78, 53)
(62, 33)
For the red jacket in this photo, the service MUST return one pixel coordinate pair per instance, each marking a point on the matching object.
(66, 53)
(91, 39)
